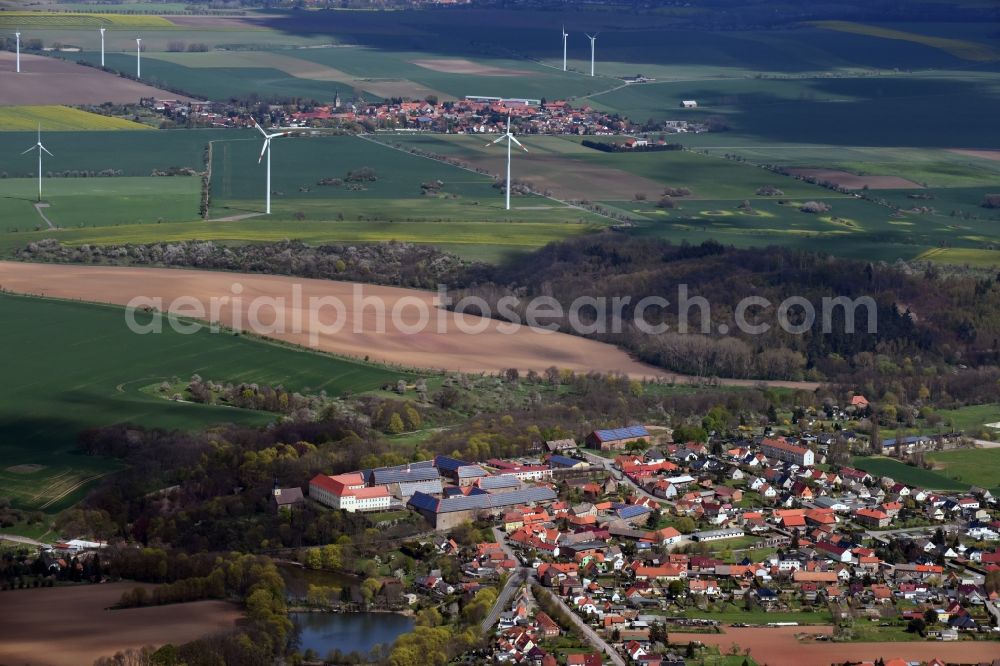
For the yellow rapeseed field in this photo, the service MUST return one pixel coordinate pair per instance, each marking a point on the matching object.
(960, 48)
(60, 118)
(56, 20)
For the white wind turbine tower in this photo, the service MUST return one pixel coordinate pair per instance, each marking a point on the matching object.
(564, 35)
(592, 41)
(102, 47)
(39, 147)
(267, 149)
(138, 57)
(17, 37)
(510, 139)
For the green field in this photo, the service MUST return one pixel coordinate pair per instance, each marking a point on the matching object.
(975, 467)
(913, 476)
(97, 202)
(70, 366)
(854, 227)
(132, 153)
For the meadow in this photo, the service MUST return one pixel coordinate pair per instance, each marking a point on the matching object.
(69, 366)
(913, 476)
(975, 467)
(56, 118)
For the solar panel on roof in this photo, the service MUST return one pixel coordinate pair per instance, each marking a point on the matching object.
(612, 434)
(632, 511)
(448, 463)
(383, 476)
(424, 502)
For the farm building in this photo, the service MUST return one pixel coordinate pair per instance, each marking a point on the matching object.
(460, 472)
(616, 438)
(717, 535)
(447, 513)
(557, 445)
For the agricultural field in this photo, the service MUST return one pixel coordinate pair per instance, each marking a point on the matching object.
(632, 184)
(96, 202)
(131, 153)
(57, 118)
(975, 467)
(36, 20)
(914, 476)
(83, 367)
(50, 80)
(36, 620)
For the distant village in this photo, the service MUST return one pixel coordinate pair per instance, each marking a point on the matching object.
(471, 115)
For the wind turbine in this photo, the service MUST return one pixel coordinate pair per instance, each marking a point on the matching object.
(510, 138)
(102, 47)
(39, 147)
(267, 149)
(138, 57)
(592, 41)
(564, 35)
(17, 37)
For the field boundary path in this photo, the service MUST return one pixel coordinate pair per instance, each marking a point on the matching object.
(38, 209)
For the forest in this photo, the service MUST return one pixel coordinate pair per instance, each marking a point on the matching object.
(924, 321)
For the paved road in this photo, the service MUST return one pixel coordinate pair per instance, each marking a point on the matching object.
(609, 466)
(929, 529)
(503, 600)
(586, 630)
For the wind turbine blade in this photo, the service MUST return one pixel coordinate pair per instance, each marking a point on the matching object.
(259, 128)
(512, 138)
(267, 144)
(30, 149)
(277, 134)
(497, 140)
(46, 150)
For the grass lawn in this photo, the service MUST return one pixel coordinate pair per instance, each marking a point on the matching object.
(69, 366)
(976, 467)
(914, 476)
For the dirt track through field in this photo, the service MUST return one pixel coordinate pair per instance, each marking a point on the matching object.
(69, 626)
(53, 81)
(855, 182)
(992, 155)
(778, 646)
(444, 343)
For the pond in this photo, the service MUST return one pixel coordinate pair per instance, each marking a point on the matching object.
(348, 632)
